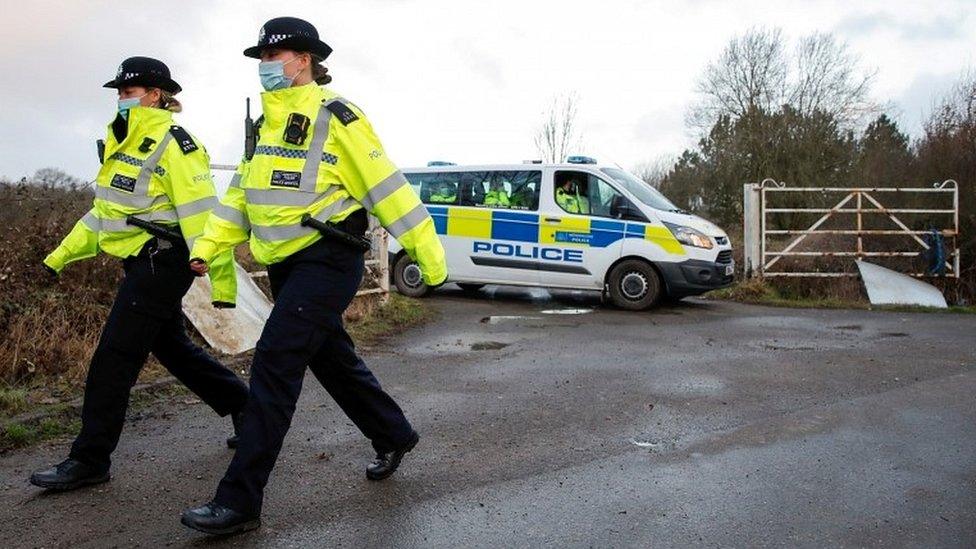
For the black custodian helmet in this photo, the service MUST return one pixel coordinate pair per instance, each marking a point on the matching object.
(289, 33)
(144, 71)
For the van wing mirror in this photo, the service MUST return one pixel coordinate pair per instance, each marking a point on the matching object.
(621, 208)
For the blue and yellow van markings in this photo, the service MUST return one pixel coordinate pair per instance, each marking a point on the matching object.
(494, 224)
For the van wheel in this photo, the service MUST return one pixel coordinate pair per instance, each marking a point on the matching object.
(408, 279)
(469, 287)
(634, 285)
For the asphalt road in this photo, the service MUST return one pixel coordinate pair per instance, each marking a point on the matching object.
(704, 423)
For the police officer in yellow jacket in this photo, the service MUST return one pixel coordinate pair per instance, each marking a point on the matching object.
(317, 157)
(153, 171)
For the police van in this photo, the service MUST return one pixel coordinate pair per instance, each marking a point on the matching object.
(576, 225)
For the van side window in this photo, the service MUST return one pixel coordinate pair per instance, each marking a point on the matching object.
(586, 194)
(522, 188)
(436, 188)
(516, 190)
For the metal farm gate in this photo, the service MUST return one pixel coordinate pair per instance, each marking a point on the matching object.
(778, 234)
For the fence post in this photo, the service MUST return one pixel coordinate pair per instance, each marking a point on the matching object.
(752, 251)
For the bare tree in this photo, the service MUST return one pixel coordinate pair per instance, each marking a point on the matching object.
(558, 134)
(655, 170)
(750, 73)
(758, 71)
(53, 177)
(827, 79)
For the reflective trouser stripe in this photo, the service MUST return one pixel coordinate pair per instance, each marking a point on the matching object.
(310, 171)
(281, 197)
(288, 232)
(408, 221)
(383, 189)
(197, 206)
(145, 173)
(232, 215)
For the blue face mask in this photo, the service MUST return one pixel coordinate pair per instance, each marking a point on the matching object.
(272, 74)
(126, 104)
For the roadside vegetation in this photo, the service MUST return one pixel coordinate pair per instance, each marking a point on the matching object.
(802, 112)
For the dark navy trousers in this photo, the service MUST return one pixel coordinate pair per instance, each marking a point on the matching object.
(146, 317)
(311, 288)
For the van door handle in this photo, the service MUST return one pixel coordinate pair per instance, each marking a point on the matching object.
(553, 220)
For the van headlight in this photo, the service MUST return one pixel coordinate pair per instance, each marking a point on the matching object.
(689, 236)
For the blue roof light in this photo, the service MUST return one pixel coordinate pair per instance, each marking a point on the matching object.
(578, 159)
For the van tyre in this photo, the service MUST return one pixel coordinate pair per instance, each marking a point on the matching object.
(634, 285)
(408, 279)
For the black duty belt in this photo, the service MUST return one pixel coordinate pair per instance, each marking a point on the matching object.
(348, 232)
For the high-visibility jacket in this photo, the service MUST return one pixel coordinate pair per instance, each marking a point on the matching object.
(572, 203)
(443, 198)
(338, 168)
(156, 171)
(496, 198)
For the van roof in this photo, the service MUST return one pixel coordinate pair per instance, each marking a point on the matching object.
(504, 167)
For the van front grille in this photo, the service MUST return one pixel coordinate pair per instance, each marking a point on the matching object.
(725, 256)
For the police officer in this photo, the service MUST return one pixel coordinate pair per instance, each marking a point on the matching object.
(444, 193)
(317, 155)
(569, 197)
(496, 195)
(156, 172)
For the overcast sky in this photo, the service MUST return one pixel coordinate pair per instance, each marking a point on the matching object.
(451, 80)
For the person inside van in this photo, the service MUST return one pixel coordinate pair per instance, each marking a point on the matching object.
(571, 196)
(496, 196)
(523, 197)
(445, 192)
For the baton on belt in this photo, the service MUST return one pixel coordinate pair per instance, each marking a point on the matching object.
(329, 230)
(159, 231)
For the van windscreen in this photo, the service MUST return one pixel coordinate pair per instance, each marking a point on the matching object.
(642, 190)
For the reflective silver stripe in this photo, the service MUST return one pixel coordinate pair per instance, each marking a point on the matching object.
(384, 189)
(310, 171)
(92, 221)
(227, 213)
(197, 206)
(145, 173)
(283, 197)
(287, 232)
(235, 182)
(408, 221)
(141, 202)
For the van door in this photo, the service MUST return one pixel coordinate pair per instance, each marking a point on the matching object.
(498, 214)
(581, 230)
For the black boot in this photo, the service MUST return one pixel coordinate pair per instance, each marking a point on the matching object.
(68, 475)
(238, 420)
(386, 463)
(218, 520)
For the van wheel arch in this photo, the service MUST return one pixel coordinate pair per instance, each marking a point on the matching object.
(404, 280)
(615, 295)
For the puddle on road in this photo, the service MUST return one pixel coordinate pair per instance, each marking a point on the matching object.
(488, 345)
(566, 311)
(466, 342)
